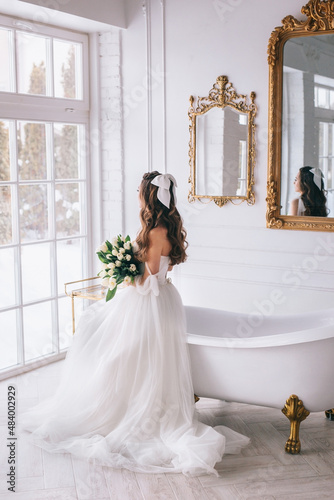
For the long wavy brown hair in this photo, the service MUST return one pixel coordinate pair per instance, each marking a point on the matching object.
(154, 214)
(314, 199)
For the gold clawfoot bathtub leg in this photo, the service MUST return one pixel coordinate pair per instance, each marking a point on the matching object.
(330, 414)
(196, 398)
(295, 411)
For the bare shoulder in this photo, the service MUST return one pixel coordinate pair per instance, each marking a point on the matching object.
(158, 233)
(158, 237)
(294, 206)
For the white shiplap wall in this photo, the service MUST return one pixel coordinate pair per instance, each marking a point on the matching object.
(235, 262)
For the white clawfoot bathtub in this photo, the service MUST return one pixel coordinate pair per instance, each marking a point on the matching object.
(262, 360)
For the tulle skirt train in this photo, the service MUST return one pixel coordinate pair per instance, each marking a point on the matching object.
(125, 397)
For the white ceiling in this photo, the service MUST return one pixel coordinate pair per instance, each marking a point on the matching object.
(81, 15)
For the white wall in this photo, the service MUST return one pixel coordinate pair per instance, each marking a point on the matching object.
(235, 262)
(111, 134)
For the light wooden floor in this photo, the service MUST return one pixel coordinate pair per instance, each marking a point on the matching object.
(262, 471)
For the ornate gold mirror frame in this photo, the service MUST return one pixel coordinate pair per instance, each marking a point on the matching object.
(223, 95)
(320, 20)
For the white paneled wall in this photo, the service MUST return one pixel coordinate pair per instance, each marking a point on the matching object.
(171, 50)
(261, 268)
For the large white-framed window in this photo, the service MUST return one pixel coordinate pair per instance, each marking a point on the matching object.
(44, 196)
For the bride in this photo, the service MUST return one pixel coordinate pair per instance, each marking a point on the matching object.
(125, 398)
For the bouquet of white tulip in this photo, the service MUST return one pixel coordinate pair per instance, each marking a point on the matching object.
(118, 264)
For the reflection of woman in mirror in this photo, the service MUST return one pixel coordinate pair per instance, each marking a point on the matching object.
(312, 200)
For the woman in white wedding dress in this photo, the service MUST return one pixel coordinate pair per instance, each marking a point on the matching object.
(125, 398)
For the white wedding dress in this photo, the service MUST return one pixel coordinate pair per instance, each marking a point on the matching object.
(125, 397)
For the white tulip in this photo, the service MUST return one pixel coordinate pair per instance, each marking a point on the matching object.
(111, 266)
(133, 267)
(120, 256)
(127, 281)
(128, 257)
(112, 283)
(114, 241)
(114, 252)
(118, 263)
(103, 247)
(127, 245)
(121, 250)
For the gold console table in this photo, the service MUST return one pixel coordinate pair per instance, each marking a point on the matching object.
(89, 292)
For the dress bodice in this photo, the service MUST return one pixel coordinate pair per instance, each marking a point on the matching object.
(163, 268)
(154, 281)
(301, 207)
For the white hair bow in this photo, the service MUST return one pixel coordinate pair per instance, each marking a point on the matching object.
(163, 182)
(316, 176)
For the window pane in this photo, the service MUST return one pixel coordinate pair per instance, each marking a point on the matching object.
(31, 138)
(6, 235)
(67, 209)
(69, 258)
(36, 283)
(322, 133)
(331, 99)
(7, 281)
(31, 64)
(65, 322)
(33, 212)
(322, 97)
(8, 341)
(330, 174)
(67, 69)
(316, 103)
(66, 151)
(6, 82)
(37, 321)
(323, 162)
(330, 139)
(4, 151)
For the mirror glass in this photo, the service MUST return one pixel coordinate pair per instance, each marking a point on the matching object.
(307, 122)
(221, 153)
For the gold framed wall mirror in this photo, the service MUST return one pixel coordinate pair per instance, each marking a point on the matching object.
(300, 188)
(222, 145)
